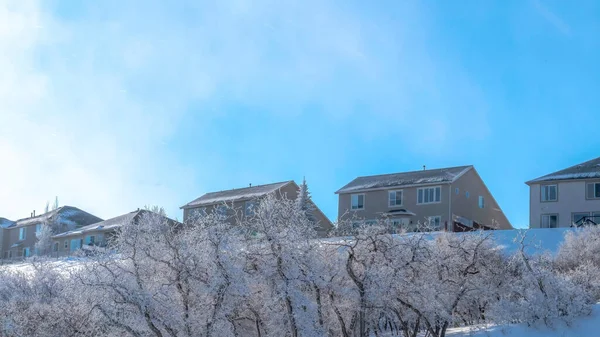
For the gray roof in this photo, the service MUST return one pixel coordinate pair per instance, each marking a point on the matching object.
(236, 194)
(105, 225)
(65, 214)
(422, 177)
(587, 170)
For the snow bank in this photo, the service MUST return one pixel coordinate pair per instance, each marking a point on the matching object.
(584, 326)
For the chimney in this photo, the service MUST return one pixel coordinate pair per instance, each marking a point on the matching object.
(34, 213)
(423, 167)
(250, 185)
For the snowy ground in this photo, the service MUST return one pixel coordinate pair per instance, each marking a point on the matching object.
(581, 327)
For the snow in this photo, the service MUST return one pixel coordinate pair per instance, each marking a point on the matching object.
(584, 326)
(568, 176)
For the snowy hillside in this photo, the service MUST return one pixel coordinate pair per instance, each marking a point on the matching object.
(585, 326)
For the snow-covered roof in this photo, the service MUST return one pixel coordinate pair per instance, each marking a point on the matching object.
(236, 194)
(108, 225)
(422, 177)
(102, 225)
(5, 223)
(65, 214)
(588, 170)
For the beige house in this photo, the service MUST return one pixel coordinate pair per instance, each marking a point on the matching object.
(18, 238)
(452, 199)
(94, 236)
(238, 203)
(569, 197)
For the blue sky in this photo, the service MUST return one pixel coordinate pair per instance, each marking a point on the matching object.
(113, 106)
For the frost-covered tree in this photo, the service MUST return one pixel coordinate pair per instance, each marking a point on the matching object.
(43, 245)
(304, 201)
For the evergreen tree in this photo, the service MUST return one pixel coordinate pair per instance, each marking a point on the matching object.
(304, 201)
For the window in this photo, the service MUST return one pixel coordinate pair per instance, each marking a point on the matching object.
(395, 198)
(481, 202)
(467, 194)
(457, 191)
(549, 193)
(90, 240)
(356, 224)
(55, 247)
(22, 233)
(371, 222)
(593, 190)
(435, 222)
(399, 224)
(358, 201)
(66, 245)
(26, 252)
(38, 229)
(198, 212)
(429, 195)
(579, 217)
(75, 244)
(549, 221)
(249, 208)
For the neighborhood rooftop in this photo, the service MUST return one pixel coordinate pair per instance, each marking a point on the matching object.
(236, 194)
(422, 177)
(104, 225)
(66, 213)
(588, 170)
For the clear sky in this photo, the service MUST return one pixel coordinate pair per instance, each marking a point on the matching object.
(113, 105)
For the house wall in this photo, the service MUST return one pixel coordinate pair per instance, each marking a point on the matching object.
(571, 199)
(491, 215)
(11, 236)
(101, 239)
(377, 202)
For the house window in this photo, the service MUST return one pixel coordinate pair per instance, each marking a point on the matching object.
(395, 198)
(593, 190)
(357, 201)
(429, 195)
(549, 221)
(467, 194)
(90, 240)
(356, 224)
(38, 229)
(579, 217)
(549, 193)
(249, 208)
(481, 202)
(399, 224)
(55, 247)
(75, 244)
(198, 212)
(66, 245)
(26, 252)
(371, 222)
(457, 191)
(435, 222)
(22, 233)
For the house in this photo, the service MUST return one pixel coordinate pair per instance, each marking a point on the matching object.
(567, 197)
(452, 199)
(18, 238)
(240, 201)
(97, 235)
